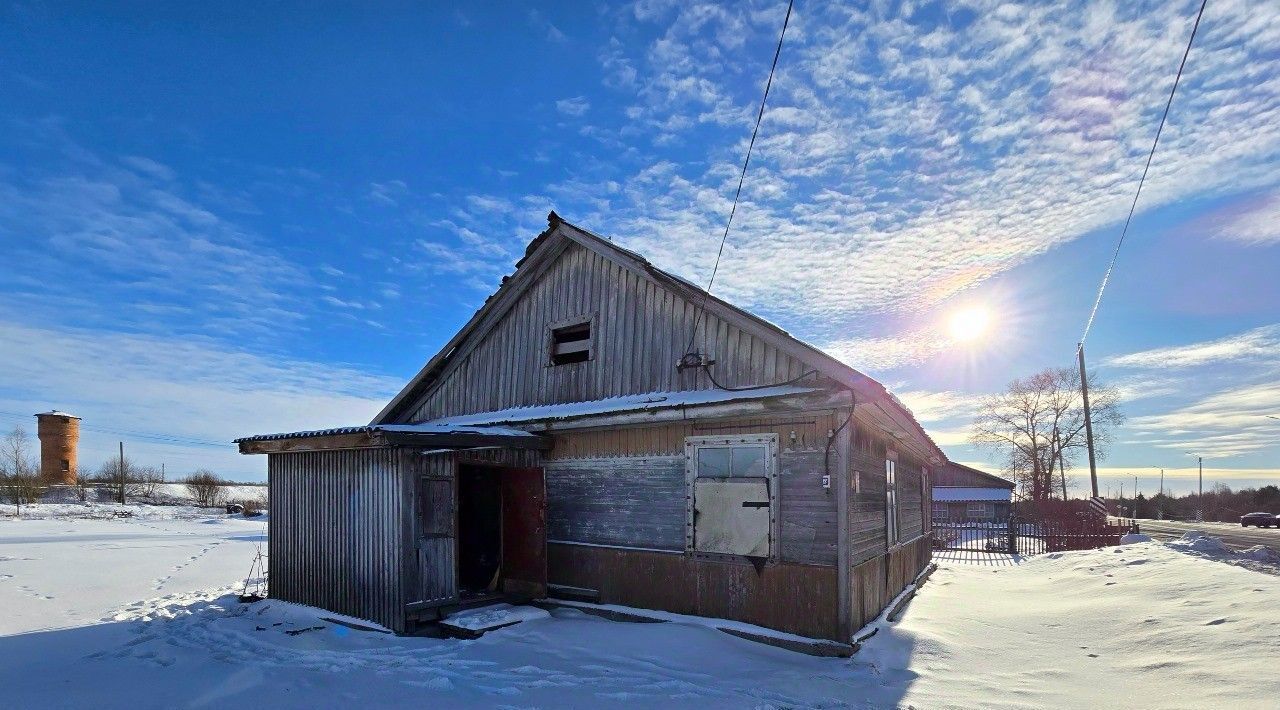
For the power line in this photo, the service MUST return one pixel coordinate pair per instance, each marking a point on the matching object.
(741, 177)
(1107, 276)
(158, 438)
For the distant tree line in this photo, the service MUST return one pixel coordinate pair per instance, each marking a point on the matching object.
(21, 483)
(1220, 503)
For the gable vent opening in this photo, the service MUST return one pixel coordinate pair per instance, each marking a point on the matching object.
(571, 343)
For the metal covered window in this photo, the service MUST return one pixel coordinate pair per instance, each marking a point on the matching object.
(732, 494)
(571, 341)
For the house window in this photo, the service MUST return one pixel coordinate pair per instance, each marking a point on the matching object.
(891, 501)
(571, 342)
(732, 494)
(977, 510)
(940, 511)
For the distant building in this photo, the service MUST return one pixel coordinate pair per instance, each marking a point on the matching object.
(963, 493)
(59, 434)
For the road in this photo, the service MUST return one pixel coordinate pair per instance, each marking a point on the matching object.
(1231, 534)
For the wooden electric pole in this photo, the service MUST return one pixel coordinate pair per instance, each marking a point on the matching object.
(1088, 423)
(120, 475)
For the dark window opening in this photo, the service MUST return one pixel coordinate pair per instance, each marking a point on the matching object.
(66, 465)
(571, 343)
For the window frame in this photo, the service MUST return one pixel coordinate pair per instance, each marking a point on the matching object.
(692, 444)
(892, 521)
(549, 341)
(986, 510)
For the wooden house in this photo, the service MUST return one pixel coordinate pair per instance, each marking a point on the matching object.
(604, 430)
(966, 494)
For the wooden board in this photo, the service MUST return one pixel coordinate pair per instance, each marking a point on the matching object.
(799, 599)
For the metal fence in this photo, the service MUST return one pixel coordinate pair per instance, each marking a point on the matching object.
(1025, 537)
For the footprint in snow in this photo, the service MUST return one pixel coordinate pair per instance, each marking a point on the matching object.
(1216, 622)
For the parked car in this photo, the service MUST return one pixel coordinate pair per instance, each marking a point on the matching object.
(1259, 520)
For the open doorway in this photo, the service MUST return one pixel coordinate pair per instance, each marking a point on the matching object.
(479, 530)
(502, 539)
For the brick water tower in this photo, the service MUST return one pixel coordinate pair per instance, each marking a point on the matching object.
(59, 434)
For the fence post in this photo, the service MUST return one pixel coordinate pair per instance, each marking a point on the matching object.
(1013, 536)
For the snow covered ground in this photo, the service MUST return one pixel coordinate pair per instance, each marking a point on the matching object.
(140, 612)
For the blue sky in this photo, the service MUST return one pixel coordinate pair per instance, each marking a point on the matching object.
(267, 217)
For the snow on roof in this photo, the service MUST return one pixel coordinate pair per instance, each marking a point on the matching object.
(57, 413)
(427, 428)
(617, 405)
(959, 494)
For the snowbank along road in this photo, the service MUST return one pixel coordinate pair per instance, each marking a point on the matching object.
(1231, 534)
(140, 613)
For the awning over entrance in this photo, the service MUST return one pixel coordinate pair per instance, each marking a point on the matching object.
(440, 436)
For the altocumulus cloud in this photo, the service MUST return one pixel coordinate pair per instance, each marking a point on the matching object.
(947, 146)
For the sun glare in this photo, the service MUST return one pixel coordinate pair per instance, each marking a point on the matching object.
(970, 324)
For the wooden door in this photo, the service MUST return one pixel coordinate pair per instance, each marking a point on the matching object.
(524, 532)
(435, 542)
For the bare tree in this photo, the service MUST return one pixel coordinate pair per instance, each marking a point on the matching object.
(206, 488)
(1038, 424)
(19, 477)
(139, 481)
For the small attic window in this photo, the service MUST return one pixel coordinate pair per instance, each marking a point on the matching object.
(571, 342)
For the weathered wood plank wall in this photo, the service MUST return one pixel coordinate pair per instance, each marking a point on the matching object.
(910, 514)
(876, 582)
(627, 501)
(337, 532)
(799, 599)
(639, 331)
(627, 487)
(431, 535)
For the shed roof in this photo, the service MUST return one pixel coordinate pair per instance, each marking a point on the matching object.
(959, 494)
(440, 435)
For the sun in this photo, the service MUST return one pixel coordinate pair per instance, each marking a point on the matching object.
(969, 324)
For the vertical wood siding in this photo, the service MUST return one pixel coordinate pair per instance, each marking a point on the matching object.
(810, 530)
(432, 528)
(639, 330)
(798, 599)
(337, 532)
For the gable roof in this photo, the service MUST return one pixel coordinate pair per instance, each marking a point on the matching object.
(982, 476)
(543, 250)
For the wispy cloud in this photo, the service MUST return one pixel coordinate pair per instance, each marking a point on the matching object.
(1259, 344)
(576, 106)
(186, 387)
(1258, 223)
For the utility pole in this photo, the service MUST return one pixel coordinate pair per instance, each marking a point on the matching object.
(1200, 497)
(1135, 496)
(120, 474)
(1088, 423)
